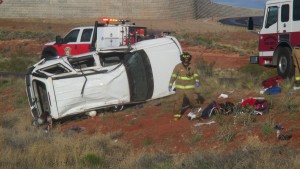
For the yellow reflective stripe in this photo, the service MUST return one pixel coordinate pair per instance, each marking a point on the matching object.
(170, 84)
(185, 78)
(197, 80)
(196, 75)
(297, 78)
(185, 87)
(177, 115)
(174, 75)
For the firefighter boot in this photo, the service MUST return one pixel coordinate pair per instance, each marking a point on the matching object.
(177, 116)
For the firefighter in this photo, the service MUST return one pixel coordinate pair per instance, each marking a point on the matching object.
(186, 79)
(296, 56)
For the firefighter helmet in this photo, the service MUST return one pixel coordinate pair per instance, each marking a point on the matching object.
(185, 57)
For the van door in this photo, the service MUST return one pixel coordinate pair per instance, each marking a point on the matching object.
(68, 95)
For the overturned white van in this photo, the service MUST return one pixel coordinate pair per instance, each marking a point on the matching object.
(76, 84)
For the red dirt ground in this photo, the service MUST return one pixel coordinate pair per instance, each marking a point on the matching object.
(151, 127)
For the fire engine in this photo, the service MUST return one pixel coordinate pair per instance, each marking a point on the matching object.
(90, 38)
(280, 32)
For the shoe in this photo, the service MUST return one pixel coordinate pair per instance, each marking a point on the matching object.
(191, 116)
(177, 116)
(296, 87)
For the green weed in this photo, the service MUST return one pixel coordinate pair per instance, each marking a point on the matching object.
(226, 133)
(92, 160)
(267, 128)
(148, 141)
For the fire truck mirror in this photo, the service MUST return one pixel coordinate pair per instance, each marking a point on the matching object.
(250, 24)
(58, 40)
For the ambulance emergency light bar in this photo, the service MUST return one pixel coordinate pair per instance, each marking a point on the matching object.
(107, 20)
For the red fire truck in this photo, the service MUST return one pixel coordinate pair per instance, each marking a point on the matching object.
(103, 35)
(279, 34)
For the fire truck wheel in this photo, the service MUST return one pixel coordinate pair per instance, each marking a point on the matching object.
(285, 66)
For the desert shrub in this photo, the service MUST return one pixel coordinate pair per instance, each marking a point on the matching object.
(251, 70)
(160, 160)
(196, 137)
(148, 141)
(252, 157)
(17, 62)
(243, 115)
(226, 133)
(94, 161)
(205, 69)
(267, 128)
(10, 35)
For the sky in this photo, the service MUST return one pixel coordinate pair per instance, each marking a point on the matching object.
(257, 4)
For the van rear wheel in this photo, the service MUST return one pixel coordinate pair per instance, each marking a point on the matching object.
(285, 66)
(49, 53)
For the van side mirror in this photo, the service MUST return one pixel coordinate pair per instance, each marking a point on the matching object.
(250, 24)
(58, 40)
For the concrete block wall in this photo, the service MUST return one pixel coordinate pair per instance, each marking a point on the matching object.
(135, 9)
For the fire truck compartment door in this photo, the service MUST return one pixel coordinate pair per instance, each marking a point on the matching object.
(108, 37)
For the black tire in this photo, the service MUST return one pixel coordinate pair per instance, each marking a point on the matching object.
(49, 53)
(285, 66)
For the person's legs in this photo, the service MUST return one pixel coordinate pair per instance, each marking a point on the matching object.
(193, 99)
(178, 103)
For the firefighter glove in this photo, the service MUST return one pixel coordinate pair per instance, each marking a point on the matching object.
(197, 84)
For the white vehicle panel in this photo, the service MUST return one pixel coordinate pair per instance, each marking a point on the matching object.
(165, 61)
(107, 89)
(68, 95)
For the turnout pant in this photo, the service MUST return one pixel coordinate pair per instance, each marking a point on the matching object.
(296, 57)
(189, 94)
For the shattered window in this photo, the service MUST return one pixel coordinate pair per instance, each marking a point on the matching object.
(56, 69)
(82, 62)
(109, 59)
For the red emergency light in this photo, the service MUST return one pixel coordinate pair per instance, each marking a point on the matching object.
(107, 20)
